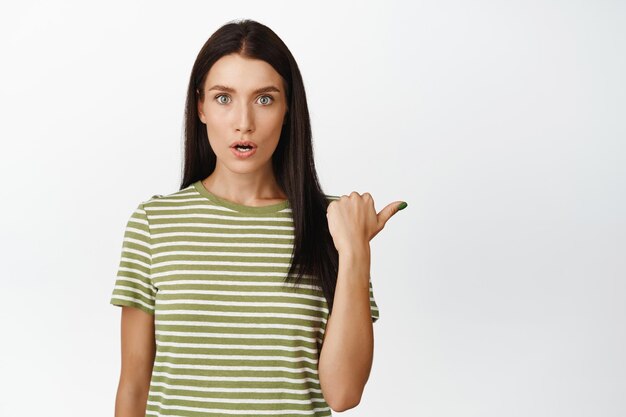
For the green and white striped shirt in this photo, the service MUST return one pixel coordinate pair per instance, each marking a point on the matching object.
(232, 338)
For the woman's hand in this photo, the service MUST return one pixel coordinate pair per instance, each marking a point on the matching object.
(353, 222)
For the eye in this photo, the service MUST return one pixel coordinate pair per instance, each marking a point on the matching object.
(217, 97)
(267, 97)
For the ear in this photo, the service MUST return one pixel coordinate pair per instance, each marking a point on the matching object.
(200, 112)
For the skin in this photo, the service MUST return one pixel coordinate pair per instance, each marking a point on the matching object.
(347, 351)
(138, 352)
(243, 114)
(348, 347)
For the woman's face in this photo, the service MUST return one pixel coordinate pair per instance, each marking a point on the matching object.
(235, 108)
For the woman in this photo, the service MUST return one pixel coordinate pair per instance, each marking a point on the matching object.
(227, 285)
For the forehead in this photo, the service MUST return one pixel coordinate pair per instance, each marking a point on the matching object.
(243, 74)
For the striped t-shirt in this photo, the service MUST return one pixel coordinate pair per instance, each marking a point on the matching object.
(232, 338)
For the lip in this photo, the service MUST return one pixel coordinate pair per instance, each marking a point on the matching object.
(244, 143)
(243, 155)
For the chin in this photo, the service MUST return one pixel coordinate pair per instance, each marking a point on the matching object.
(243, 170)
(244, 167)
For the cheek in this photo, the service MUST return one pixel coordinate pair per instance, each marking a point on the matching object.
(215, 125)
(273, 121)
(213, 117)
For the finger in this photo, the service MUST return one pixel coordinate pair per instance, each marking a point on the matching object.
(386, 213)
(369, 200)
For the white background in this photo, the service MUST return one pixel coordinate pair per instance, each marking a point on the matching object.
(502, 285)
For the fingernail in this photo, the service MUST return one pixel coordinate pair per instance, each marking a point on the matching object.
(402, 205)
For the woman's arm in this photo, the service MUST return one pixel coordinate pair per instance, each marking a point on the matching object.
(138, 350)
(348, 347)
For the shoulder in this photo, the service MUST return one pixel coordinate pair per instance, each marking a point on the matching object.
(158, 199)
(147, 203)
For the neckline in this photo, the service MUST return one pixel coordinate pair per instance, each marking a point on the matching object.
(271, 208)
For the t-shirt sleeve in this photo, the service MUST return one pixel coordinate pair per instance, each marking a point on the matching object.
(133, 284)
(373, 305)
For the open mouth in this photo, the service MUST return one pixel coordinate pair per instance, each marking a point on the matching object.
(243, 151)
(243, 148)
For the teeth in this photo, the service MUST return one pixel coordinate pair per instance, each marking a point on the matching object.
(240, 149)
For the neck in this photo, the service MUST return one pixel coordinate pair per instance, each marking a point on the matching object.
(250, 188)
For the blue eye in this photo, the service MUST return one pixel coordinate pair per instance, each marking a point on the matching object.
(220, 95)
(265, 103)
(269, 97)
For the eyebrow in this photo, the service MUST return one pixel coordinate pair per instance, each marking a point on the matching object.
(267, 89)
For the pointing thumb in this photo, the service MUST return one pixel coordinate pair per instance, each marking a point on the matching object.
(391, 209)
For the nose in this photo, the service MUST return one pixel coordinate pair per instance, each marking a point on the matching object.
(244, 118)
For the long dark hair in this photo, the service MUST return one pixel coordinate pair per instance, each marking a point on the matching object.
(314, 256)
